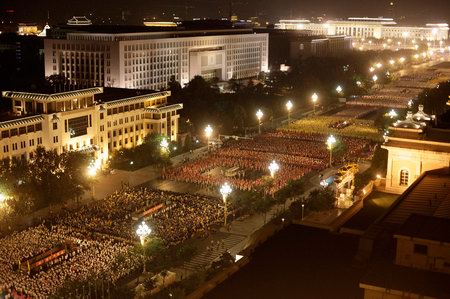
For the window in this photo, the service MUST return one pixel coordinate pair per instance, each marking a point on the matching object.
(420, 249)
(78, 126)
(404, 177)
(55, 126)
(55, 139)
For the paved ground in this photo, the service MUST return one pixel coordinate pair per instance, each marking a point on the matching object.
(299, 262)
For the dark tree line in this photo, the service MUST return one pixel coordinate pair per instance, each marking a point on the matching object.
(46, 179)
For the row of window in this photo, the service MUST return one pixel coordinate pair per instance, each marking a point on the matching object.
(23, 144)
(21, 130)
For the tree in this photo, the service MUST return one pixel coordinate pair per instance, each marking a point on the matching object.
(321, 199)
(175, 90)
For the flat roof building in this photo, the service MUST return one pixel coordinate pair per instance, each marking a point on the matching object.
(99, 120)
(148, 58)
(364, 27)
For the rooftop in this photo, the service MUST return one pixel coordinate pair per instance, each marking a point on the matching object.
(149, 32)
(52, 96)
(112, 94)
(429, 195)
(426, 227)
(408, 280)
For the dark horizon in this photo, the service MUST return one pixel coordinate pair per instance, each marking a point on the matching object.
(409, 11)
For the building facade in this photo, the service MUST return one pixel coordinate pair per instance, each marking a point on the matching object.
(149, 60)
(414, 148)
(380, 28)
(98, 120)
(420, 246)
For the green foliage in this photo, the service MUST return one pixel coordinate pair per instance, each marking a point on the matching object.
(48, 178)
(149, 152)
(291, 189)
(321, 200)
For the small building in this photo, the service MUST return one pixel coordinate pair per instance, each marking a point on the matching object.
(414, 147)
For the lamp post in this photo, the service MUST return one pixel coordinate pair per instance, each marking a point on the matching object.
(208, 133)
(303, 208)
(164, 145)
(314, 99)
(330, 143)
(339, 89)
(92, 172)
(273, 168)
(2, 198)
(392, 114)
(375, 79)
(143, 231)
(289, 107)
(225, 190)
(259, 115)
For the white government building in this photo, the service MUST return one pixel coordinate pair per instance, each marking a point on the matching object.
(380, 28)
(148, 60)
(99, 120)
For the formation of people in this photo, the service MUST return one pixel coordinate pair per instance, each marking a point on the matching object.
(100, 233)
(297, 153)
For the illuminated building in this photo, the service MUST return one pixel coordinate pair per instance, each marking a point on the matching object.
(98, 120)
(414, 147)
(147, 58)
(380, 28)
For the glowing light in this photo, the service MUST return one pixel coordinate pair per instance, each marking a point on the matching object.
(259, 114)
(273, 168)
(143, 231)
(208, 131)
(289, 105)
(339, 89)
(225, 190)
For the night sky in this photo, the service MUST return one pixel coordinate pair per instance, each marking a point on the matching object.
(410, 11)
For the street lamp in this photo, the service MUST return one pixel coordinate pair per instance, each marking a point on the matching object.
(371, 69)
(402, 59)
(303, 209)
(143, 231)
(339, 89)
(375, 78)
(92, 172)
(289, 107)
(314, 99)
(392, 114)
(2, 198)
(379, 65)
(330, 143)
(273, 168)
(225, 190)
(259, 115)
(164, 145)
(208, 132)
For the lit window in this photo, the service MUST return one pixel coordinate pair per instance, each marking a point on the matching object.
(404, 177)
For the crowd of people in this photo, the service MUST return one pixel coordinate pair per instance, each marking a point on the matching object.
(296, 153)
(99, 234)
(91, 257)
